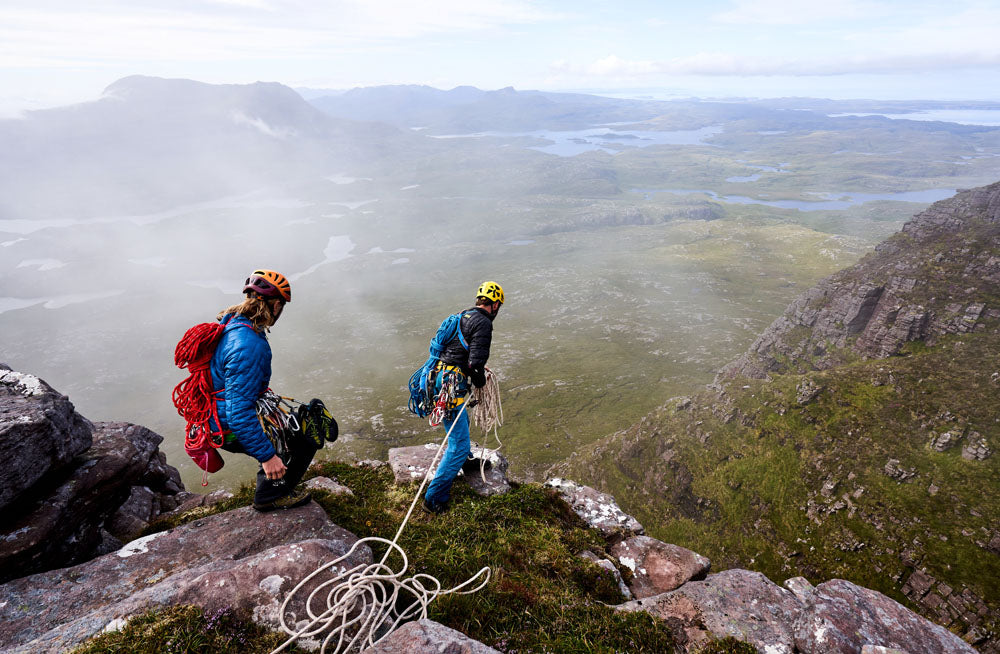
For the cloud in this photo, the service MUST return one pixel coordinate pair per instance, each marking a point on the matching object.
(235, 30)
(796, 12)
(722, 64)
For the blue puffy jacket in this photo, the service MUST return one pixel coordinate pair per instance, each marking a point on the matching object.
(241, 369)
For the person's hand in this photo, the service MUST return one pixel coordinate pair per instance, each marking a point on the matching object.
(478, 377)
(274, 468)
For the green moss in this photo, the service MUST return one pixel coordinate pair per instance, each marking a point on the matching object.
(801, 489)
(186, 630)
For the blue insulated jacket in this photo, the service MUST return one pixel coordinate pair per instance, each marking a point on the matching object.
(241, 368)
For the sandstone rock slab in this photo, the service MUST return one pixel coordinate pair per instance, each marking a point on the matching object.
(206, 562)
(599, 510)
(658, 567)
(739, 603)
(410, 464)
(428, 637)
(845, 617)
(40, 433)
(64, 524)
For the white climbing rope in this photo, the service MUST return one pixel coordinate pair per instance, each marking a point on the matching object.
(487, 411)
(359, 605)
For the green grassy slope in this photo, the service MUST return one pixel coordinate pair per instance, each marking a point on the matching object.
(542, 597)
(761, 476)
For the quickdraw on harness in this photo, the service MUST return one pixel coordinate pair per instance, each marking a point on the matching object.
(194, 397)
(283, 423)
(278, 420)
(422, 399)
(447, 399)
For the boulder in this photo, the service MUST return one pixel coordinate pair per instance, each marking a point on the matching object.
(658, 567)
(410, 464)
(801, 587)
(608, 565)
(65, 524)
(329, 485)
(241, 559)
(738, 603)
(597, 509)
(843, 618)
(428, 637)
(40, 433)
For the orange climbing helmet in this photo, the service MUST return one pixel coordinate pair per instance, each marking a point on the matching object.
(269, 283)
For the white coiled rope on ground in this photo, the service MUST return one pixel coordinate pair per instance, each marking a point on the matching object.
(358, 606)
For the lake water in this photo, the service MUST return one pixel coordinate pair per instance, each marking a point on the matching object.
(987, 117)
(832, 201)
(54, 301)
(254, 200)
(613, 141)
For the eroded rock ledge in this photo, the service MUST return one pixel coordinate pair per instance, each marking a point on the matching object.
(938, 276)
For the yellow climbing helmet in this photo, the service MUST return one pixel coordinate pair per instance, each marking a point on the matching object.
(491, 291)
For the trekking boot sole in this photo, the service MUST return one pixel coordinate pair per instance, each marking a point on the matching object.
(283, 503)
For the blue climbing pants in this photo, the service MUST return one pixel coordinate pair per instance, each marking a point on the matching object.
(458, 449)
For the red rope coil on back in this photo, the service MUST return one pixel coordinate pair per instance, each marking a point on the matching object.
(194, 397)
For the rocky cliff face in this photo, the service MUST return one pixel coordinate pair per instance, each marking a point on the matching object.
(939, 275)
(72, 489)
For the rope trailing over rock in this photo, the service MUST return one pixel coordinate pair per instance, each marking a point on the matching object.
(359, 605)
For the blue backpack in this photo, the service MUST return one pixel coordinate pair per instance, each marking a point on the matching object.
(422, 381)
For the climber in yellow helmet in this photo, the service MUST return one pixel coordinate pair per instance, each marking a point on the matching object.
(464, 360)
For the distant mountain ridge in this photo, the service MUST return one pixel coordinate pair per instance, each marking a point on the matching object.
(467, 109)
(152, 143)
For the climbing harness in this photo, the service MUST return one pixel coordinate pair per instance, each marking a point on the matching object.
(365, 599)
(448, 398)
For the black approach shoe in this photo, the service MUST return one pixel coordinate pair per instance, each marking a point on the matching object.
(432, 507)
(298, 498)
(471, 466)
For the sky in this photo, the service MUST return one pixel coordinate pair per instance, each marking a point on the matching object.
(55, 52)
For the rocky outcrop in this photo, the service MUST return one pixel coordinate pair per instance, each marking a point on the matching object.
(658, 567)
(841, 618)
(428, 637)
(240, 559)
(40, 433)
(738, 603)
(115, 481)
(956, 609)
(409, 464)
(836, 617)
(599, 510)
(937, 276)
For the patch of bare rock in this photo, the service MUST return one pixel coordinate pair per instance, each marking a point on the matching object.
(671, 583)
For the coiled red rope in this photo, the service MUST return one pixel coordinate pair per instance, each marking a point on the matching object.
(194, 397)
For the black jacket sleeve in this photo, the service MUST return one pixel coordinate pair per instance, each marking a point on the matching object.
(478, 331)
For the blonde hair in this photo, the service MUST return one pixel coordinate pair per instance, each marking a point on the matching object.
(255, 309)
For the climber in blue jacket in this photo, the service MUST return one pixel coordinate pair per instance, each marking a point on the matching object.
(241, 372)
